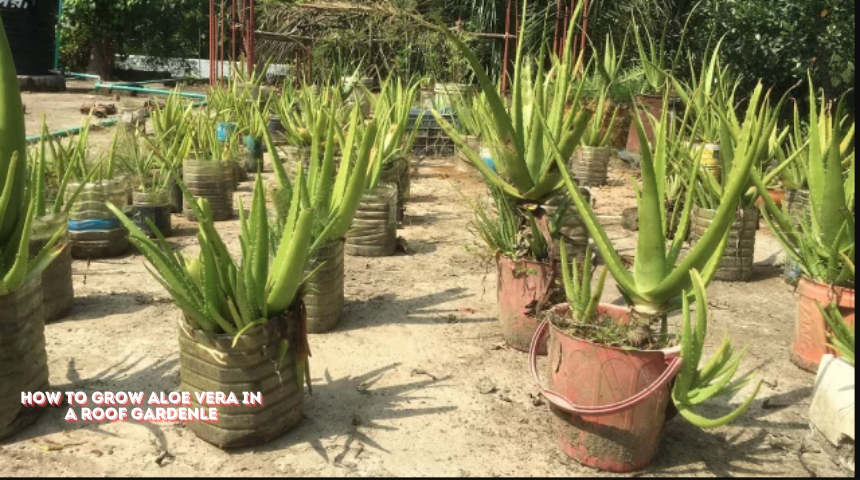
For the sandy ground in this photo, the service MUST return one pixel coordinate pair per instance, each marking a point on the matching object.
(416, 380)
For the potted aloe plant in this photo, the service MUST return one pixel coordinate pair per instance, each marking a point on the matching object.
(242, 324)
(590, 162)
(94, 230)
(208, 171)
(48, 185)
(545, 115)
(335, 199)
(711, 115)
(151, 196)
(23, 358)
(392, 109)
(617, 426)
(652, 77)
(170, 125)
(822, 242)
(659, 285)
(305, 116)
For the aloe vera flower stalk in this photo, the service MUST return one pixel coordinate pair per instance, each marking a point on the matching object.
(657, 284)
(539, 120)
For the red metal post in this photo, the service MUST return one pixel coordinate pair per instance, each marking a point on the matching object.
(212, 55)
(233, 44)
(251, 45)
(556, 35)
(584, 29)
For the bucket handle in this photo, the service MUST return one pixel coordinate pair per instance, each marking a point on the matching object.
(558, 400)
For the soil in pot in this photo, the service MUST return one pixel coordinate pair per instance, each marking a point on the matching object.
(23, 359)
(153, 207)
(374, 229)
(325, 297)
(210, 363)
(609, 403)
(811, 333)
(57, 278)
(739, 257)
(523, 286)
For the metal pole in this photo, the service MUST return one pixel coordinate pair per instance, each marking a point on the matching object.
(212, 56)
(584, 29)
(555, 48)
(233, 33)
(507, 50)
(252, 43)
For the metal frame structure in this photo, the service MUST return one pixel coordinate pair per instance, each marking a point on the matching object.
(232, 24)
(232, 31)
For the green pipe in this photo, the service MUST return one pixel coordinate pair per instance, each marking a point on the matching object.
(149, 82)
(68, 132)
(85, 76)
(126, 88)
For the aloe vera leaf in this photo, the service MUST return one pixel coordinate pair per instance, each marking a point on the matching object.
(601, 239)
(13, 140)
(260, 252)
(650, 268)
(285, 282)
(705, 423)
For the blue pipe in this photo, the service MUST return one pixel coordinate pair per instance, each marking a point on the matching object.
(85, 76)
(150, 82)
(125, 88)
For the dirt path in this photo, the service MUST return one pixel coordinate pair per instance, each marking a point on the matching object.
(415, 381)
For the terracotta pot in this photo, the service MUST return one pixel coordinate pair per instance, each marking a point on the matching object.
(648, 105)
(521, 285)
(777, 194)
(810, 335)
(610, 403)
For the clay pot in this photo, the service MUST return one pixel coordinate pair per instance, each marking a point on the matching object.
(521, 286)
(810, 335)
(610, 403)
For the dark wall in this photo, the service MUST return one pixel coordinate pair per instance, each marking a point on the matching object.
(32, 35)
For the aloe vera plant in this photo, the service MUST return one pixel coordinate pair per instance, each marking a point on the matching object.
(822, 243)
(599, 130)
(394, 136)
(695, 384)
(219, 295)
(517, 135)
(657, 284)
(17, 207)
(582, 299)
(610, 59)
(335, 198)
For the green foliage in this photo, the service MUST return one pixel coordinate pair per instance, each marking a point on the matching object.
(577, 286)
(842, 337)
(157, 28)
(697, 385)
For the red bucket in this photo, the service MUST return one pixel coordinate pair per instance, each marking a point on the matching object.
(810, 336)
(521, 286)
(610, 404)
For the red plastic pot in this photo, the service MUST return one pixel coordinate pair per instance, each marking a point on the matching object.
(521, 286)
(610, 404)
(810, 335)
(777, 194)
(646, 105)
